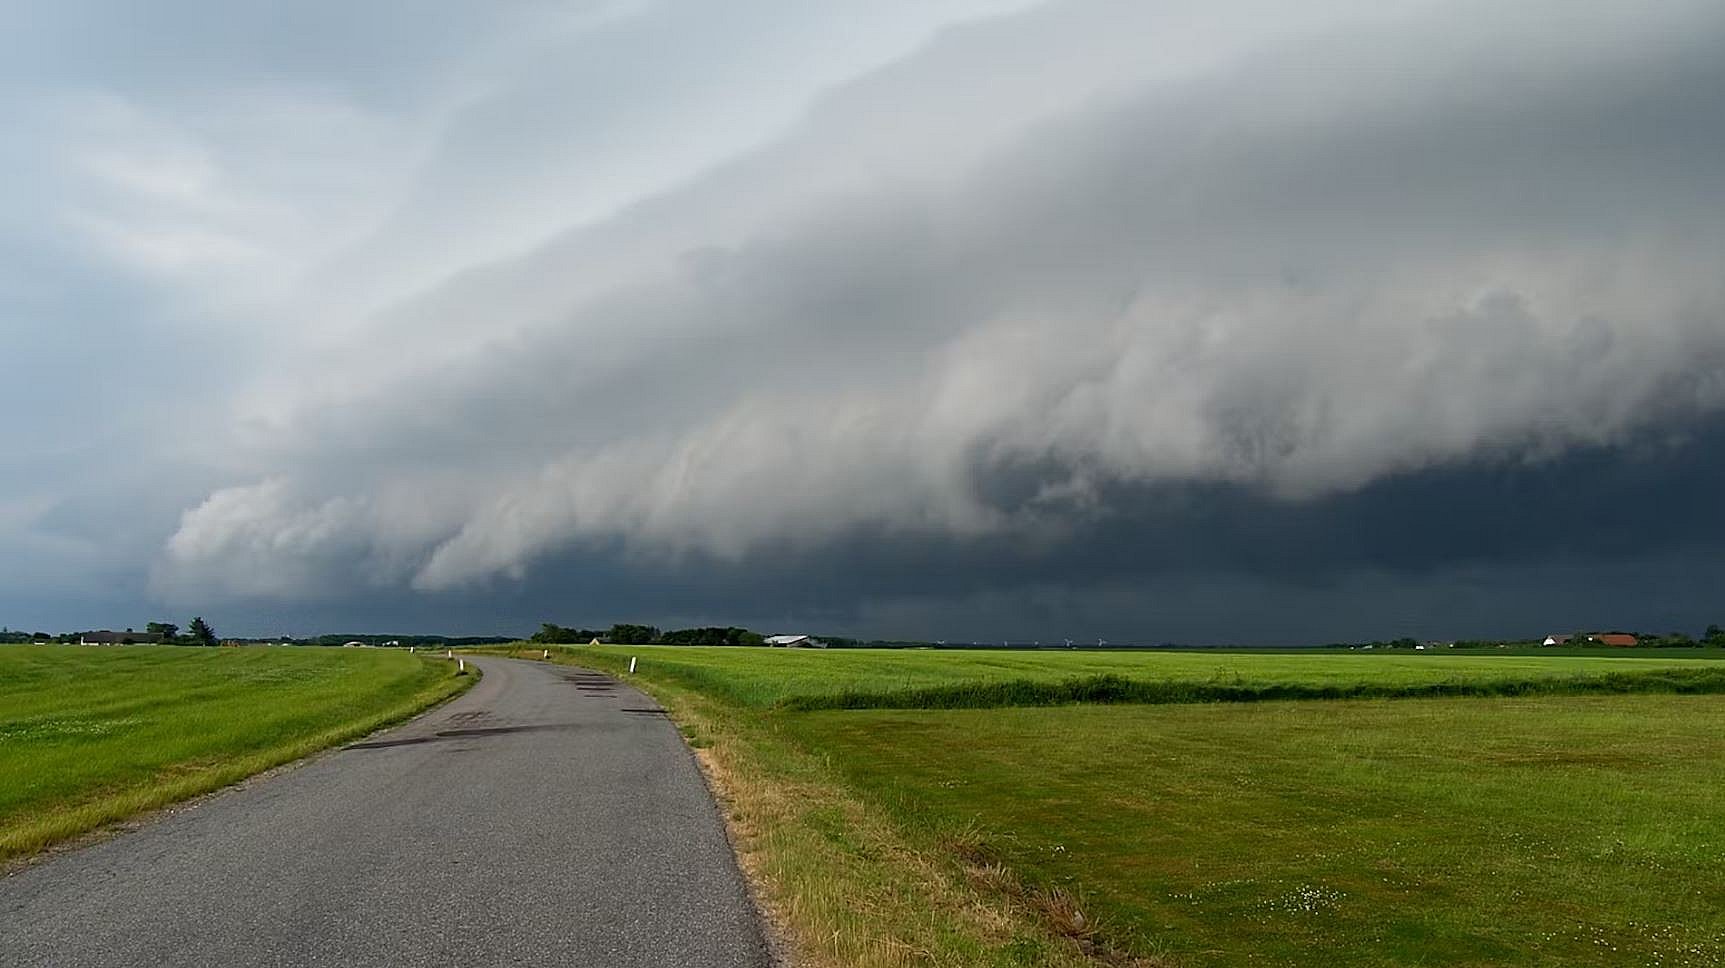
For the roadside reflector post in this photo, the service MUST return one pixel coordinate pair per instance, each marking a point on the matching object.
(547, 654)
(449, 654)
(410, 649)
(631, 665)
(461, 666)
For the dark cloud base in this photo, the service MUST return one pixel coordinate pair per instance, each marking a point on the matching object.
(1631, 536)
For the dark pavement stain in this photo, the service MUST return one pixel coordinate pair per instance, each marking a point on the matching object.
(447, 734)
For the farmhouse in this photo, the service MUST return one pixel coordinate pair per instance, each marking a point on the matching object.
(795, 642)
(128, 637)
(1557, 639)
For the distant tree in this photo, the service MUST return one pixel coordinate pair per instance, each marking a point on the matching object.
(710, 635)
(167, 630)
(626, 634)
(1715, 635)
(200, 632)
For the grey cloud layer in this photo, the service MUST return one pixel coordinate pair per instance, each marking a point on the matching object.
(200, 199)
(1297, 260)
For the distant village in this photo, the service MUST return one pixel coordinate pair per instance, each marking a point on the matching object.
(1712, 637)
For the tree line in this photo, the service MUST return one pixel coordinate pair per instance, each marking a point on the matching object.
(382, 639)
(198, 632)
(629, 634)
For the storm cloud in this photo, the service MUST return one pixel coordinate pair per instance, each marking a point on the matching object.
(1086, 314)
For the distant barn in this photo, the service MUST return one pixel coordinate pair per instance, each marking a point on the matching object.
(795, 642)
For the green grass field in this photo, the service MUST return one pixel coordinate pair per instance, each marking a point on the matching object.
(1535, 830)
(91, 735)
(764, 678)
(1557, 831)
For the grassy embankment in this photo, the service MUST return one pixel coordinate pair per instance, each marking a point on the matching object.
(1550, 829)
(92, 735)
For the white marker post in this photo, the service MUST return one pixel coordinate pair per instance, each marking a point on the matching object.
(410, 650)
(449, 654)
(547, 654)
(631, 665)
(461, 667)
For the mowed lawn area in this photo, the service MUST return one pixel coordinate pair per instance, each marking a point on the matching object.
(1486, 830)
(89, 735)
(1555, 831)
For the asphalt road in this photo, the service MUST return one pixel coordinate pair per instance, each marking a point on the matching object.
(548, 817)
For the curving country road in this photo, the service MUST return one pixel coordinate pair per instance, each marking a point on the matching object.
(550, 816)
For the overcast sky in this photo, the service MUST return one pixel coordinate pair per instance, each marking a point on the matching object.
(1235, 321)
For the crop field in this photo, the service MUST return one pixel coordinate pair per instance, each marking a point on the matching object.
(1521, 829)
(91, 735)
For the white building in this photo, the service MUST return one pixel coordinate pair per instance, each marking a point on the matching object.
(795, 642)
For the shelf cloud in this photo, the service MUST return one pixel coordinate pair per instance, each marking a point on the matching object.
(955, 288)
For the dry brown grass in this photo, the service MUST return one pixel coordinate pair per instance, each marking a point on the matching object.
(840, 885)
(1058, 909)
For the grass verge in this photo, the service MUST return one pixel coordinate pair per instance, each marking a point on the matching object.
(91, 736)
(841, 882)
